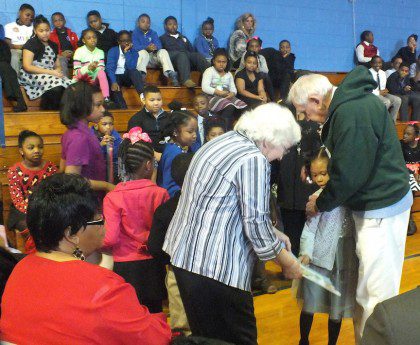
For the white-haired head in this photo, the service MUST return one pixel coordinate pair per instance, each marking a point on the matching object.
(308, 86)
(270, 123)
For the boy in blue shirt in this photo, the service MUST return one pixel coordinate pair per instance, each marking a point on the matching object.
(121, 68)
(147, 43)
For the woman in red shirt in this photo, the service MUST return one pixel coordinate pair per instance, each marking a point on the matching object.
(53, 296)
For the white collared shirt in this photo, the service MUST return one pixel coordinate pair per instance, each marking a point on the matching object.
(388, 72)
(382, 79)
(120, 63)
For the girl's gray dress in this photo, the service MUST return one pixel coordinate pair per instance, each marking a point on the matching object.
(329, 240)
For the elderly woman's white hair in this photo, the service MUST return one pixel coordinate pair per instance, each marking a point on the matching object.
(309, 85)
(271, 123)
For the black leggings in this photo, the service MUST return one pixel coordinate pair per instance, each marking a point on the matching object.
(306, 324)
(51, 99)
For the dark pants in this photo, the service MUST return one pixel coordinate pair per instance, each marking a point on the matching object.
(148, 279)
(412, 99)
(215, 310)
(184, 62)
(130, 77)
(293, 222)
(283, 83)
(10, 82)
(51, 99)
(268, 86)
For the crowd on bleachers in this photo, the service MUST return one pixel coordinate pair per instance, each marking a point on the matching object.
(136, 180)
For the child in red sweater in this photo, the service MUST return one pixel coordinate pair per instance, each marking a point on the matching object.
(65, 39)
(128, 212)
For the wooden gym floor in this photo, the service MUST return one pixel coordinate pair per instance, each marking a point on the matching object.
(278, 315)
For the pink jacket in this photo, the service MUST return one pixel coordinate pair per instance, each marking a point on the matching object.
(128, 212)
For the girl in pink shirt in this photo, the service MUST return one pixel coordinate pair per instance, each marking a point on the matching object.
(128, 211)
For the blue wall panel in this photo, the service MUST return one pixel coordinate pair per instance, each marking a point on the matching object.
(321, 31)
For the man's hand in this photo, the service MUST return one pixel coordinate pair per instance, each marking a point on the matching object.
(283, 238)
(311, 208)
(290, 266)
(407, 88)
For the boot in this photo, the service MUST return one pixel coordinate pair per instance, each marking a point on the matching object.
(412, 227)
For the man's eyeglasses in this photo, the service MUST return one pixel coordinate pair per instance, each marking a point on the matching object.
(96, 221)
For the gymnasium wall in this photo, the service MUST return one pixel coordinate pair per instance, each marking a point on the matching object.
(321, 31)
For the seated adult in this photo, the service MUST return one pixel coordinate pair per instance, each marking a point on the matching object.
(245, 27)
(400, 84)
(62, 299)
(395, 321)
(365, 50)
(408, 53)
(395, 65)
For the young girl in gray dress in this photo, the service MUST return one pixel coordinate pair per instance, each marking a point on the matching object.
(327, 245)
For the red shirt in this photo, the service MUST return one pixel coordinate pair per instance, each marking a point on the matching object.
(72, 37)
(22, 180)
(75, 302)
(128, 212)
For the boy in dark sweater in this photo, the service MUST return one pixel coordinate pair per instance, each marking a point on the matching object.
(152, 118)
(181, 52)
(400, 84)
(162, 217)
(107, 38)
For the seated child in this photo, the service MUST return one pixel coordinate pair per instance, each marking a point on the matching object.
(152, 118)
(149, 47)
(18, 32)
(128, 211)
(286, 68)
(401, 85)
(391, 102)
(328, 246)
(218, 83)
(108, 136)
(107, 38)
(181, 52)
(395, 63)
(9, 79)
(161, 219)
(89, 59)
(41, 75)
(250, 83)
(65, 39)
(365, 50)
(206, 43)
(183, 132)
(411, 152)
(121, 68)
(254, 45)
(213, 127)
(24, 176)
(201, 106)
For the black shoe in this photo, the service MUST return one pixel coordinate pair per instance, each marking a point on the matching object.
(20, 108)
(412, 228)
(108, 104)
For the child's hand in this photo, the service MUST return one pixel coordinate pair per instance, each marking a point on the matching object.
(93, 65)
(128, 47)
(263, 98)
(304, 259)
(67, 54)
(57, 73)
(115, 87)
(407, 88)
(383, 92)
(230, 95)
(107, 139)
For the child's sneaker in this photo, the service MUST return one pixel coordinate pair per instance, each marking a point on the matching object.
(173, 76)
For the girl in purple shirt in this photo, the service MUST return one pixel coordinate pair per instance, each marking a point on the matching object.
(81, 153)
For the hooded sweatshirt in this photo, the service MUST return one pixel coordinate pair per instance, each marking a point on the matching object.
(366, 168)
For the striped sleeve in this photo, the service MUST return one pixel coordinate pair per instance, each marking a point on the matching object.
(253, 186)
(78, 68)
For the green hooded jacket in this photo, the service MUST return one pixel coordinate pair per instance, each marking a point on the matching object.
(367, 169)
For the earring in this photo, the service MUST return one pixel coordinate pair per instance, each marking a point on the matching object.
(77, 253)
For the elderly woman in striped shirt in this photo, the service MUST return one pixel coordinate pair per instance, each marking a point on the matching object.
(222, 224)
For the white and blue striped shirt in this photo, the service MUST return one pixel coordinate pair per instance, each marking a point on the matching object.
(223, 220)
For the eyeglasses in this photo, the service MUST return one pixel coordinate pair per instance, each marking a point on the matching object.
(96, 221)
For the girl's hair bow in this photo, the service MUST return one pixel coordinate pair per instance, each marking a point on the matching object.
(136, 134)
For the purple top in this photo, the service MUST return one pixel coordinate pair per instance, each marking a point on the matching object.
(80, 147)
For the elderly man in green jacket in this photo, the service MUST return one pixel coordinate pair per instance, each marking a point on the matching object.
(367, 174)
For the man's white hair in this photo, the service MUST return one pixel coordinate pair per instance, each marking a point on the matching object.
(271, 123)
(309, 85)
